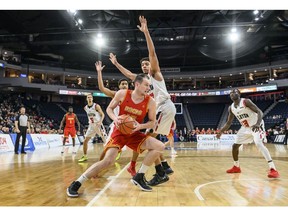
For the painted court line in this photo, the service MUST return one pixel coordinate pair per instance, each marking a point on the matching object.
(200, 197)
(91, 203)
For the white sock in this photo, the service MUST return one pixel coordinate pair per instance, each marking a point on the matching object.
(236, 163)
(82, 179)
(63, 148)
(271, 165)
(73, 148)
(143, 168)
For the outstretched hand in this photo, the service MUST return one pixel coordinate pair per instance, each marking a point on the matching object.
(99, 66)
(113, 58)
(143, 22)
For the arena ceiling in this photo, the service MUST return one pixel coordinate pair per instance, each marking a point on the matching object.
(191, 40)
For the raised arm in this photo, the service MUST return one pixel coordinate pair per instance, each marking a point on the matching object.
(122, 69)
(155, 68)
(106, 91)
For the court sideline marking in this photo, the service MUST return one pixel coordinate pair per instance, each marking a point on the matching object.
(91, 203)
(200, 197)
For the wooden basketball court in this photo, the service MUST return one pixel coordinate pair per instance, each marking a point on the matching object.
(40, 178)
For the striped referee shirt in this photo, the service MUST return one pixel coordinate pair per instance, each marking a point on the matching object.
(22, 120)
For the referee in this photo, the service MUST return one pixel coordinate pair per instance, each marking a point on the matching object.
(22, 125)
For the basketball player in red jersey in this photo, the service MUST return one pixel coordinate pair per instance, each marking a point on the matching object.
(165, 108)
(69, 119)
(137, 104)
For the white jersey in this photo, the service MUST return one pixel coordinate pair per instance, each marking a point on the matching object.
(245, 115)
(93, 115)
(159, 91)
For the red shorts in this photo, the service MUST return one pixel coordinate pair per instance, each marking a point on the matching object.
(133, 141)
(71, 131)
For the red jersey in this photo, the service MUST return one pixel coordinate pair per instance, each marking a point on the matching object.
(136, 111)
(70, 120)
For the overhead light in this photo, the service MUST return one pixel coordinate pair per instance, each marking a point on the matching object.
(234, 37)
(99, 40)
(80, 21)
(255, 12)
(72, 11)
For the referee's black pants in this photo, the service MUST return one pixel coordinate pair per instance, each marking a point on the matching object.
(23, 132)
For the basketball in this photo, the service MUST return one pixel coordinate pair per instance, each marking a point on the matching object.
(127, 124)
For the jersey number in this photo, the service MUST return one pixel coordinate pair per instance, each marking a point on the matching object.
(245, 123)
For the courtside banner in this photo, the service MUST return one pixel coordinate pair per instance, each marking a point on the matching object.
(69, 140)
(39, 141)
(29, 146)
(209, 141)
(53, 140)
(6, 144)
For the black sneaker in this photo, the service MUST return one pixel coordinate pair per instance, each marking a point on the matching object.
(73, 188)
(168, 171)
(140, 181)
(158, 180)
(23, 152)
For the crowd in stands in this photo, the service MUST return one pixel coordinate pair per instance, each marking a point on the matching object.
(9, 107)
(10, 104)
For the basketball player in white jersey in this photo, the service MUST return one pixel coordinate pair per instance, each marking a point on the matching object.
(252, 129)
(166, 110)
(122, 84)
(95, 117)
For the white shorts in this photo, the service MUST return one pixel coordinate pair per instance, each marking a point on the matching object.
(246, 136)
(165, 116)
(111, 127)
(94, 129)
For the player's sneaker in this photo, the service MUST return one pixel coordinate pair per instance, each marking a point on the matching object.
(83, 159)
(234, 169)
(131, 170)
(139, 180)
(72, 190)
(273, 173)
(168, 171)
(118, 156)
(158, 180)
